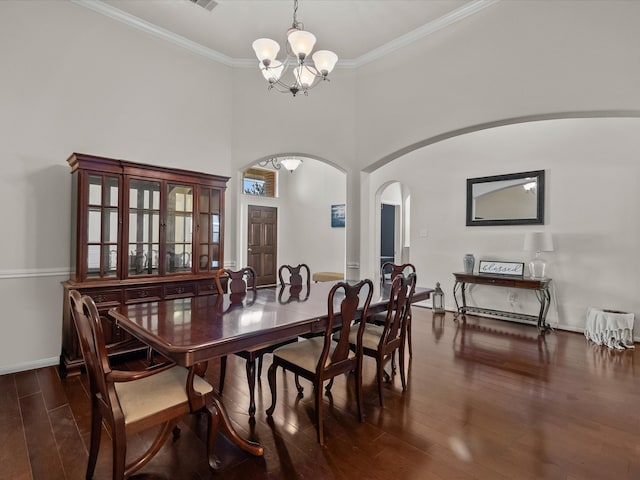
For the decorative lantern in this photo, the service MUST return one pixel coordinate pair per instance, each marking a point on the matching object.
(438, 299)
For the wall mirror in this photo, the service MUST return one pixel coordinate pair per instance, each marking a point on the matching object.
(512, 199)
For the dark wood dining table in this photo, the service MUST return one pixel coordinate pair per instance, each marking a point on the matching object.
(192, 331)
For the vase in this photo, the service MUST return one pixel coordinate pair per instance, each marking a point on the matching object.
(468, 261)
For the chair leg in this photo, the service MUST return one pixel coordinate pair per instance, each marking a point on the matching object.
(359, 390)
(409, 335)
(401, 362)
(119, 446)
(150, 361)
(251, 380)
(298, 386)
(329, 385)
(318, 400)
(96, 431)
(380, 374)
(223, 373)
(271, 374)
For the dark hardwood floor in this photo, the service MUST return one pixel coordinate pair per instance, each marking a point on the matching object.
(488, 399)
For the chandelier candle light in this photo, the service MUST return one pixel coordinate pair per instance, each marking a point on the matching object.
(299, 45)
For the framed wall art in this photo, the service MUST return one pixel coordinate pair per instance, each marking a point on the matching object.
(338, 214)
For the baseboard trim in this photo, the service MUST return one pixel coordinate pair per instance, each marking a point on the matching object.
(21, 367)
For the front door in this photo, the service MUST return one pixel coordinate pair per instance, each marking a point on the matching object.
(262, 243)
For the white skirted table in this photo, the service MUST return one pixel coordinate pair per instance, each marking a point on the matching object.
(610, 327)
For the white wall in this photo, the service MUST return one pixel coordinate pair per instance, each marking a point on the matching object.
(304, 204)
(592, 209)
(74, 80)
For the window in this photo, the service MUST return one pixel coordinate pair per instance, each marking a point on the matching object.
(259, 182)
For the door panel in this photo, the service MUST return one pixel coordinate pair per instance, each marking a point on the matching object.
(262, 243)
(387, 233)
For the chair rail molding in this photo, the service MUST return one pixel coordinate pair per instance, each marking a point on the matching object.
(35, 272)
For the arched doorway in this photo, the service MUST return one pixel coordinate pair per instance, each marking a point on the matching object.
(393, 206)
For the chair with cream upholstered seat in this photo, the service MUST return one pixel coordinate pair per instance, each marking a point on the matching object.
(241, 283)
(381, 341)
(319, 359)
(131, 401)
(388, 272)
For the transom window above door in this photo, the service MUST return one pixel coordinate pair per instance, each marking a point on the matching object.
(256, 181)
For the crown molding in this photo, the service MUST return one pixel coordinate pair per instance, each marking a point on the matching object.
(156, 31)
(114, 13)
(427, 29)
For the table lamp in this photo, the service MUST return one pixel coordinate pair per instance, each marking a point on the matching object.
(538, 242)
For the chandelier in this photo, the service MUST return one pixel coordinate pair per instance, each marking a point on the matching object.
(298, 47)
(290, 163)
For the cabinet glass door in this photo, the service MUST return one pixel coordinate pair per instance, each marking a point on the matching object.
(102, 227)
(209, 230)
(144, 228)
(179, 228)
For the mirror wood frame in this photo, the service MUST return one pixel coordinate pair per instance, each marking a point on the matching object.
(537, 220)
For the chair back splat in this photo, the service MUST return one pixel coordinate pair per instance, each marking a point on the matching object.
(319, 359)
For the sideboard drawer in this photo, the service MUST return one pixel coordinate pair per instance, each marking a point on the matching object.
(207, 287)
(179, 290)
(105, 298)
(143, 294)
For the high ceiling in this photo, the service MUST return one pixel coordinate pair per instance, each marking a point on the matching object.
(351, 28)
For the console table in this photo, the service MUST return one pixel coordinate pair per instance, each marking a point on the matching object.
(539, 285)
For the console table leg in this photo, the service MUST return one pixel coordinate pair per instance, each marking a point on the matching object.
(459, 286)
(544, 297)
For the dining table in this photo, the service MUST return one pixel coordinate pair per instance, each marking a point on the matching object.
(192, 331)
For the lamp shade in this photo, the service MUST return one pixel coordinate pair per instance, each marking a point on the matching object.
(324, 61)
(304, 77)
(290, 163)
(301, 42)
(266, 50)
(538, 242)
(273, 72)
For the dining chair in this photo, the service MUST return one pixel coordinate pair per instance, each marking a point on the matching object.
(389, 271)
(319, 359)
(240, 283)
(382, 341)
(295, 275)
(295, 278)
(131, 401)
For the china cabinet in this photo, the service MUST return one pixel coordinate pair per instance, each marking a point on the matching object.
(139, 233)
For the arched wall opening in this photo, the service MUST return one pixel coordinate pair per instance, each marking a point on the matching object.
(392, 225)
(592, 203)
(303, 202)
